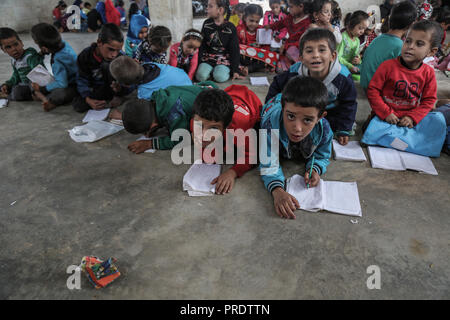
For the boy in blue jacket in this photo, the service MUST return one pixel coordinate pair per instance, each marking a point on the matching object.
(318, 60)
(297, 119)
(64, 67)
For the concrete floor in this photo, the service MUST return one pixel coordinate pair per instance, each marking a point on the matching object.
(99, 199)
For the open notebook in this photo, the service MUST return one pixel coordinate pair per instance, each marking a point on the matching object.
(332, 196)
(391, 159)
(197, 181)
(40, 75)
(263, 36)
(96, 115)
(351, 152)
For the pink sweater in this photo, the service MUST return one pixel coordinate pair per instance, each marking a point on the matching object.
(173, 60)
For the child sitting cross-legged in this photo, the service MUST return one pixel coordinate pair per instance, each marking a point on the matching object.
(296, 119)
(319, 61)
(18, 87)
(64, 66)
(403, 90)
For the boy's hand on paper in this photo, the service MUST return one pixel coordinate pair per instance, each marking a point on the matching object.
(392, 119)
(140, 146)
(225, 182)
(314, 180)
(115, 114)
(96, 104)
(406, 122)
(343, 140)
(285, 204)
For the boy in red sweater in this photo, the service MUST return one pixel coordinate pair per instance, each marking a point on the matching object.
(234, 108)
(403, 90)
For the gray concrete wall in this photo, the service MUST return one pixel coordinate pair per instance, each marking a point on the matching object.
(174, 14)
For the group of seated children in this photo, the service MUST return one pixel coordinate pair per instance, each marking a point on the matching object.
(308, 104)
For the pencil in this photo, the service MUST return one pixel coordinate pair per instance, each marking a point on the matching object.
(310, 172)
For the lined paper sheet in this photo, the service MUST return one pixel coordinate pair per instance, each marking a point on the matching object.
(259, 81)
(41, 76)
(342, 198)
(264, 36)
(418, 163)
(197, 181)
(351, 152)
(333, 196)
(96, 115)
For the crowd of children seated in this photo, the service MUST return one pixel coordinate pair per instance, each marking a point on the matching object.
(312, 99)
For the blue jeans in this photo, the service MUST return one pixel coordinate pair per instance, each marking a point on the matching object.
(220, 73)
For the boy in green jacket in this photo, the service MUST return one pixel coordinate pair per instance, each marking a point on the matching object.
(18, 88)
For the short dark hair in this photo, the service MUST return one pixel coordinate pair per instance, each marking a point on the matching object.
(353, 19)
(402, 15)
(430, 26)
(214, 105)
(271, 2)
(306, 92)
(138, 115)
(126, 70)
(240, 7)
(6, 33)
(87, 4)
(317, 5)
(317, 34)
(252, 9)
(441, 15)
(306, 5)
(46, 35)
(110, 32)
(160, 36)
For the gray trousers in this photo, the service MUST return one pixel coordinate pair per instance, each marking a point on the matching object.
(59, 97)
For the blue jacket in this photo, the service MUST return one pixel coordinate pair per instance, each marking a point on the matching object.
(101, 9)
(317, 143)
(137, 22)
(64, 67)
(342, 104)
(168, 76)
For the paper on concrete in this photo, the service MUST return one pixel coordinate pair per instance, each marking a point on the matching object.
(259, 81)
(41, 76)
(332, 196)
(351, 152)
(391, 159)
(263, 36)
(3, 103)
(96, 115)
(197, 181)
(94, 131)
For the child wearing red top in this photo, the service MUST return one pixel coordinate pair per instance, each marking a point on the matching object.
(184, 54)
(232, 109)
(297, 22)
(402, 93)
(273, 16)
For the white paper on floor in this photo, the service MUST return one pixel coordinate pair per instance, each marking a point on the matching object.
(197, 180)
(96, 115)
(94, 131)
(351, 152)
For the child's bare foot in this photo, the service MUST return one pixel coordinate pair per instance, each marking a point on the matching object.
(115, 114)
(35, 98)
(115, 102)
(48, 106)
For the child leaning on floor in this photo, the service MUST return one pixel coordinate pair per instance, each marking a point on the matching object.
(96, 87)
(169, 108)
(235, 108)
(356, 24)
(219, 52)
(388, 45)
(154, 47)
(64, 67)
(18, 87)
(404, 90)
(319, 60)
(298, 115)
(184, 54)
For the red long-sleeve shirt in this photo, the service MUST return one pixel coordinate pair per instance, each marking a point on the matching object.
(295, 30)
(405, 92)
